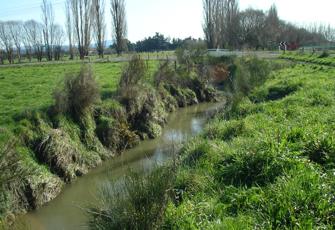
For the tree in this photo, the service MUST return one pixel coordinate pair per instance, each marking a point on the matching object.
(252, 24)
(48, 26)
(99, 25)
(34, 35)
(221, 23)
(210, 21)
(231, 16)
(28, 45)
(119, 23)
(69, 27)
(155, 43)
(272, 31)
(15, 30)
(82, 19)
(7, 40)
(58, 41)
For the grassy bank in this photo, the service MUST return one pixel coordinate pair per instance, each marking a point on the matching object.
(69, 119)
(268, 162)
(324, 58)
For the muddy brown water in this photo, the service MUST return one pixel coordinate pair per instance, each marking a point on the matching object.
(66, 212)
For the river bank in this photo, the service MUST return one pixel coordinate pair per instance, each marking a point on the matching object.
(68, 210)
(56, 148)
(267, 162)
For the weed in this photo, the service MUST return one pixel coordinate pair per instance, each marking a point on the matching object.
(132, 74)
(138, 202)
(79, 94)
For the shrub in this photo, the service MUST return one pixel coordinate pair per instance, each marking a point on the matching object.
(191, 53)
(165, 74)
(138, 202)
(249, 73)
(80, 92)
(132, 74)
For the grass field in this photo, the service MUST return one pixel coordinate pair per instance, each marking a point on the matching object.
(267, 164)
(319, 58)
(95, 58)
(31, 87)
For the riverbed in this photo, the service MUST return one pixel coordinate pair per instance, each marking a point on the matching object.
(67, 211)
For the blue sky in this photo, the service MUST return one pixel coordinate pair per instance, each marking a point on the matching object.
(175, 18)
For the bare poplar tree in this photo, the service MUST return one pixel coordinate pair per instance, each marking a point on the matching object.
(252, 23)
(7, 41)
(82, 20)
(99, 25)
(272, 26)
(69, 27)
(119, 23)
(34, 35)
(221, 23)
(1, 55)
(28, 46)
(209, 7)
(232, 23)
(48, 26)
(58, 41)
(15, 30)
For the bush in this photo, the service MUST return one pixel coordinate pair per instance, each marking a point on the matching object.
(137, 203)
(165, 74)
(191, 53)
(132, 74)
(79, 94)
(249, 73)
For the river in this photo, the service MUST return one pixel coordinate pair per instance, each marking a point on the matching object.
(66, 212)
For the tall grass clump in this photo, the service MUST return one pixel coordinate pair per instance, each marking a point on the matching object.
(12, 173)
(137, 202)
(132, 74)
(321, 150)
(79, 93)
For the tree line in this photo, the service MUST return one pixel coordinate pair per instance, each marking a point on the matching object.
(226, 26)
(85, 23)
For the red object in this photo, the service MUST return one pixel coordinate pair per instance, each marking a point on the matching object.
(293, 46)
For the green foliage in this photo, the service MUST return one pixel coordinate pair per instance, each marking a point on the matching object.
(165, 74)
(225, 131)
(250, 72)
(132, 74)
(259, 167)
(321, 149)
(324, 54)
(79, 94)
(274, 92)
(135, 203)
(192, 52)
(267, 165)
(323, 59)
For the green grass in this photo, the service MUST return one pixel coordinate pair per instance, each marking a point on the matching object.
(31, 87)
(270, 166)
(310, 58)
